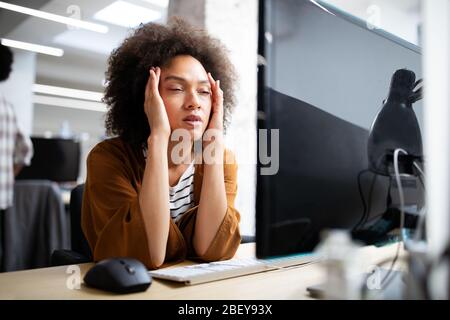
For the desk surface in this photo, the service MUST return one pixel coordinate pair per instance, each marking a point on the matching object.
(51, 283)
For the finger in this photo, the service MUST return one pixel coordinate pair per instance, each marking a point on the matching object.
(212, 82)
(158, 73)
(148, 85)
(155, 81)
(219, 92)
(218, 98)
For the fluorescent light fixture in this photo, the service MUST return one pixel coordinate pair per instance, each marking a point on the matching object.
(67, 92)
(89, 41)
(159, 3)
(56, 18)
(126, 14)
(32, 47)
(69, 103)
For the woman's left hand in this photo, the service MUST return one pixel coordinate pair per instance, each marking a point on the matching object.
(216, 121)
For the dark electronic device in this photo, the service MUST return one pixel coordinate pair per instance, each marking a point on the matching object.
(119, 275)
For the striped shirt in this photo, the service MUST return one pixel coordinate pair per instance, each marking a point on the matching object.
(181, 196)
(15, 149)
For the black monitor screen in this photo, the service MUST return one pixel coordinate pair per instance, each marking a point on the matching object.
(54, 159)
(322, 82)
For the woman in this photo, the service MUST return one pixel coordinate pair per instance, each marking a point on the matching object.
(147, 195)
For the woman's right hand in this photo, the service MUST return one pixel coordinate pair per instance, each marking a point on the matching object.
(154, 106)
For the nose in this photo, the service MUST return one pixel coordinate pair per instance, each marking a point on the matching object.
(193, 102)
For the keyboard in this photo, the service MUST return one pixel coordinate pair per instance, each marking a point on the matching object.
(236, 267)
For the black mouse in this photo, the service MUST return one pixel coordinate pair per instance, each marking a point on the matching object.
(119, 275)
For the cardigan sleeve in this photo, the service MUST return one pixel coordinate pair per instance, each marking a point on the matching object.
(112, 220)
(227, 239)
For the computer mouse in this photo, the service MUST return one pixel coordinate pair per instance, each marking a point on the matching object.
(119, 275)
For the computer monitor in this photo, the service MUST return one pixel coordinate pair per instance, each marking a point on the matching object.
(322, 80)
(54, 159)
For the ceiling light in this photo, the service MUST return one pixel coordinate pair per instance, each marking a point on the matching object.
(126, 14)
(56, 18)
(69, 103)
(67, 92)
(32, 47)
(85, 40)
(159, 3)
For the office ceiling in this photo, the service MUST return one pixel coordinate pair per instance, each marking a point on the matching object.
(85, 52)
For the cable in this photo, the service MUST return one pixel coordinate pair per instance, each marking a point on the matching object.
(369, 203)
(366, 206)
(419, 169)
(420, 223)
(422, 212)
(402, 216)
(361, 194)
(400, 190)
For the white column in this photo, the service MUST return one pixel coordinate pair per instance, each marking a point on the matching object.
(235, 22)
(436, 63)
(192, 11)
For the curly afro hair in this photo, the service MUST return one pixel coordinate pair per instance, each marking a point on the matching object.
(6, 60)
(155, 45)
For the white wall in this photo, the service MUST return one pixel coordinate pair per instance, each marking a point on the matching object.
(17, 89)
(235, 22)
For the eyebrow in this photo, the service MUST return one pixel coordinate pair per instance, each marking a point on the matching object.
(184, 80)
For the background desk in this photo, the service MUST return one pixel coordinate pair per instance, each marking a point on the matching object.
(50, 283)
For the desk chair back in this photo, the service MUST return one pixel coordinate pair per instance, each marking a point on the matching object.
(79, 242)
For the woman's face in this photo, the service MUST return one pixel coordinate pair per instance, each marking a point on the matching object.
(186, 92)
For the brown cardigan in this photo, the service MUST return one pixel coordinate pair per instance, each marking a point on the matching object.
(112, 219)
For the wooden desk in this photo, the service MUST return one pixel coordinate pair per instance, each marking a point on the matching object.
(50, 283)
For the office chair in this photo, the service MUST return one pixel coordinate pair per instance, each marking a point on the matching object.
(35, 226)
(79, 242)
(81, 252)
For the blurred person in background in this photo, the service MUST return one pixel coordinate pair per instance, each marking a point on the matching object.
(16, 149)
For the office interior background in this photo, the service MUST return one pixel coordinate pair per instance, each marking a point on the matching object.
(60, 96)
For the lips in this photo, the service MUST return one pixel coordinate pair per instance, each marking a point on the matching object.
(193, 118)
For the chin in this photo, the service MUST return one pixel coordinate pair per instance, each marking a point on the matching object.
(196, 135)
